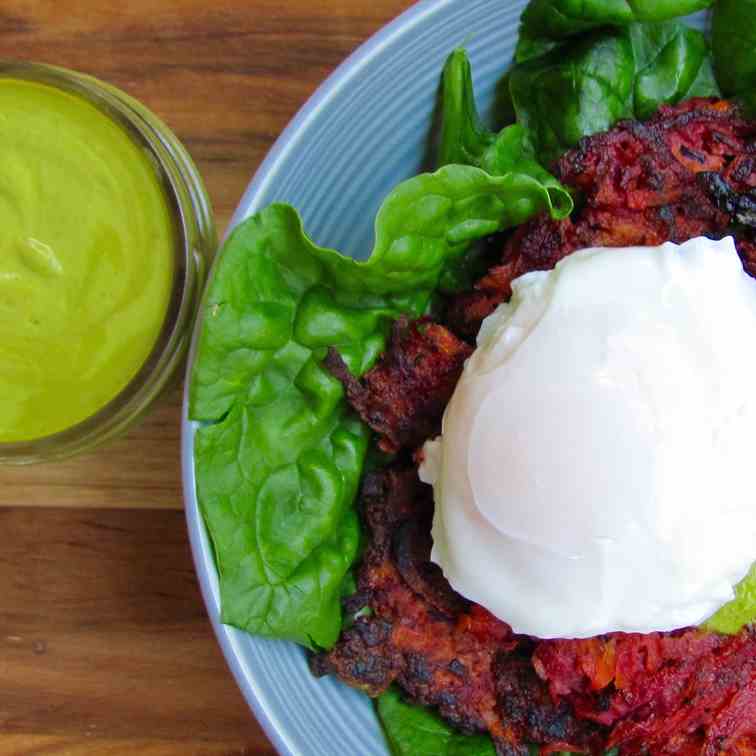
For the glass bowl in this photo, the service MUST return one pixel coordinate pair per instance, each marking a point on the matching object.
(195, 243)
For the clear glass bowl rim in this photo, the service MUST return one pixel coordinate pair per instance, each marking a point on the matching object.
(195, 244)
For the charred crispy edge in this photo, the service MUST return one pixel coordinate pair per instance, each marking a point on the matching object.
(390, 497)
(655, 133)
(741, 207)
(363, 657)
(411, 549)
(338, 369)
(403, 396)
(510, 748)
(528, 708)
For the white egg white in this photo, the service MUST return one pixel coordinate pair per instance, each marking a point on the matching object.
(595, 471)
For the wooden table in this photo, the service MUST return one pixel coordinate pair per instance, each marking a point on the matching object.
(105, 647)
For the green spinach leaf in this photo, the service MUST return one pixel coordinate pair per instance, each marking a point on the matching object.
(672, 64)
(530, 46)
(574, 91)
(747, 100)
(415, 731)
(545, 22)
(278, 459)
(734, 44)
(587, 86)
(465, 140)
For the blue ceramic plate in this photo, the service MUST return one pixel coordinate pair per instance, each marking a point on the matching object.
(363, 131)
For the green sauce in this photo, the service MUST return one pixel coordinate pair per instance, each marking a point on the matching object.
(733, 617)
(86, 259)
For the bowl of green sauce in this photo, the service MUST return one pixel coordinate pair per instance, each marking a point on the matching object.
(107, 228)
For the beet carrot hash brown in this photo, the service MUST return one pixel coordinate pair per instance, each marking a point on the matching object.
(690, 171)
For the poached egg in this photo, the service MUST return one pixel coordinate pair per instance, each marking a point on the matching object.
(595, 470)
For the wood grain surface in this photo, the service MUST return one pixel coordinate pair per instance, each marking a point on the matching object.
(105, 647)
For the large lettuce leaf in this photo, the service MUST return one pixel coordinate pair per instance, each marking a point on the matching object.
(277, 458)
